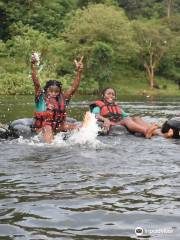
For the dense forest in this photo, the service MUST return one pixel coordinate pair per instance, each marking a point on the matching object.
(123, 42)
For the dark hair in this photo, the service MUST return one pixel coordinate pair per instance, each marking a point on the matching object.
(105, 89)
(53, 83)
(165, 127)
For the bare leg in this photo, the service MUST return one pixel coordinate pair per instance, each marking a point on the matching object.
(48, 134)
(133, 126)
(86, 120)
(157, 131)
(48, 131)
(150, 131)
(140, 128)
(69, 127)
(140, 121)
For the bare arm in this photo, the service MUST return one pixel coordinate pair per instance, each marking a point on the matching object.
(106, 121)
(101, 118)
(34, 76)
(79, 66)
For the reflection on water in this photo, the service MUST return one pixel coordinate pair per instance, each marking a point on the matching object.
(76, 191)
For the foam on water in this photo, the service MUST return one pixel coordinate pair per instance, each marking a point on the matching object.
(84, 136)
(33, 141)
(88, 134)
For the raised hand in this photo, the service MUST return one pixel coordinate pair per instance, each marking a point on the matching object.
(35, 58)
(79, 64)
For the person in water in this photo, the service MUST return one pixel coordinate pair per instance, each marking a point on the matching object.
(171, 128)
(109, 114)
(51, 102)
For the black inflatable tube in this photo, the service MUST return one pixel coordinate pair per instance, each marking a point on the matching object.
(22, 127)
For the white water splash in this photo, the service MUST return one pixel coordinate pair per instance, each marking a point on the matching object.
(33, 141)
(88, 134)
(84, 136)
(37, 57)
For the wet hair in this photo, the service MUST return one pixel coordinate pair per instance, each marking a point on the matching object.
(105, 89)
(50, 83)
(165, 127)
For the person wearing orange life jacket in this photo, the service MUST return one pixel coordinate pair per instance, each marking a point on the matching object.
(109, 114)
(50, 115)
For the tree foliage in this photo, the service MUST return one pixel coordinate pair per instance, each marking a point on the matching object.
(138, 9)
(97, 31)
(101, 23)
(154, 41)
(101, 63)
(109, 33)
(43, 15)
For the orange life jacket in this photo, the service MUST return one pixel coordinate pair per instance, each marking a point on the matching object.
(54, 114)
(112, 111)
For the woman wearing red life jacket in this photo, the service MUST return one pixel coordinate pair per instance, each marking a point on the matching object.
(109, 113)
(50, 114)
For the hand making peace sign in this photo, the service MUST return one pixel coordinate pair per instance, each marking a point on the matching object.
(79, 64)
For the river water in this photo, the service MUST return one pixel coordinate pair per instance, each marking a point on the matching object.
(103, 187)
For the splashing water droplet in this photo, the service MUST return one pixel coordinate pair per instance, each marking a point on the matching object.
(87, 134)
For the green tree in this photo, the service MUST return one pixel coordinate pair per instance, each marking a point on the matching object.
(172, 7)
(16, 65)
(170, 66)
(138, 9)
(3, 49)
(42, 15)
(101, 63)
(101, 23)
(154, 41)
(85, 3)
(173, 23)
(25, 39)
(100, 27)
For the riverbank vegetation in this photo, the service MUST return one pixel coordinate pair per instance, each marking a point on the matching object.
(131, 45)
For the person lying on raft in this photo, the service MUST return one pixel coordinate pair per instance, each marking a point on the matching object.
(171, 128)
(51, 102)
(109, 114)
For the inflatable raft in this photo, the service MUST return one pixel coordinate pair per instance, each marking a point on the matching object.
(21, 127)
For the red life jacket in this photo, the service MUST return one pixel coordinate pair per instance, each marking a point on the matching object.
(55, 114)
(112, 111)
